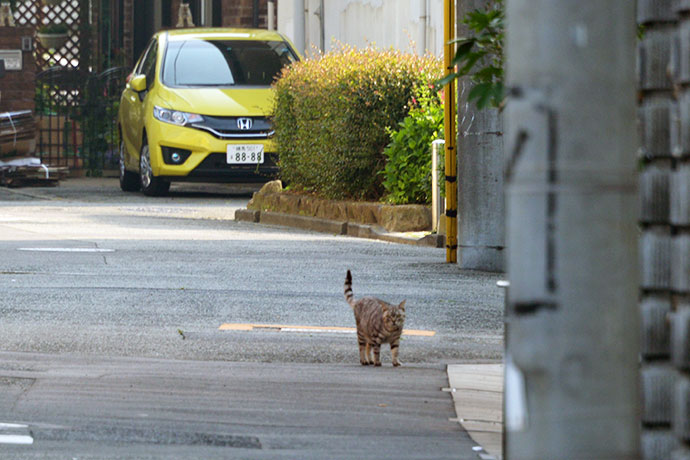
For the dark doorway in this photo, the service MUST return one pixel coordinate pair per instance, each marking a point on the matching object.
(166, 14)
(143, 26)
(217, 13)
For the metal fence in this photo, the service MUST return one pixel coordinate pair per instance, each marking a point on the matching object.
(76, 113)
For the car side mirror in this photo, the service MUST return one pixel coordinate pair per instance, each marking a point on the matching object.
(138, 83)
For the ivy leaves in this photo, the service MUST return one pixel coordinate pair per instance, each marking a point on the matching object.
(481, 56)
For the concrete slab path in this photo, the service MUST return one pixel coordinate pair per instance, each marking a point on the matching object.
(477, 391)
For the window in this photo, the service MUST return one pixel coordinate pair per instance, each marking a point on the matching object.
(148, 66)
(224, 63)
(142, 58)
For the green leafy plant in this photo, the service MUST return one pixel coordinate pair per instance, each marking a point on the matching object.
(481, 55)
(332, 112)
(58, 28)
(408, 167)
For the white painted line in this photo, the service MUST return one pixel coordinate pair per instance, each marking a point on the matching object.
(308, 329)
(318, 331)
(12, 425)
(16, 439)
(65, 250)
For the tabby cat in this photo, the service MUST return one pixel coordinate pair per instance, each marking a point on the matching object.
(377, 322)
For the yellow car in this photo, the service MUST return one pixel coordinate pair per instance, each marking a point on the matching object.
(197, 108)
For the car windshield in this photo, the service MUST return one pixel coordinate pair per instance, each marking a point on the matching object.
(196, 62)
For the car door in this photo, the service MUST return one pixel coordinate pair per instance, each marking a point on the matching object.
(132, 110)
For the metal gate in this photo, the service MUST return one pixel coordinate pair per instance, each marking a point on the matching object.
(76, 113)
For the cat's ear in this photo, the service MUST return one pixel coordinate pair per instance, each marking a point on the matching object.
(402, 305)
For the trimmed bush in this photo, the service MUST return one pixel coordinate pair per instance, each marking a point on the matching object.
(332, 114)
(408, 167)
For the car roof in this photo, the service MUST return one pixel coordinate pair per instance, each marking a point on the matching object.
(210, 33)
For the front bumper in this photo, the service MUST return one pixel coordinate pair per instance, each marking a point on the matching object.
(214, 168)
(207, 161)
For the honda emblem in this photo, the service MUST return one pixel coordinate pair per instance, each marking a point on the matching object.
(244, 124)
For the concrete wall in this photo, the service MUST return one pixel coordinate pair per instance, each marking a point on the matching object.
(408, 25)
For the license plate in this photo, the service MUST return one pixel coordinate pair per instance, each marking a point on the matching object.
(245, 154)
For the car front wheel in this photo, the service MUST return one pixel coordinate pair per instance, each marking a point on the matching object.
(129, 182)
(150, 184)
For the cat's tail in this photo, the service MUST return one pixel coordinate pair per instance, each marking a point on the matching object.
(349, 296)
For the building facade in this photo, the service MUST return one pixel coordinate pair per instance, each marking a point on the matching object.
(136, 21)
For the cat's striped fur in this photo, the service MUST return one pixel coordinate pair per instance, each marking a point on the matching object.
(377, 322)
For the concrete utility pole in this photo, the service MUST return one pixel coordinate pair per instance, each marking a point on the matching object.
(450, 135)
(572, 321)
(481, 204)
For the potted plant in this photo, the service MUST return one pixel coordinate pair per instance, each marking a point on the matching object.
(53, 36)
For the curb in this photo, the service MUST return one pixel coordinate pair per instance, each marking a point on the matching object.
(477, 392)
(335, 227)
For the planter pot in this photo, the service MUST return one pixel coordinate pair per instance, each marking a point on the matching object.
(52, 41)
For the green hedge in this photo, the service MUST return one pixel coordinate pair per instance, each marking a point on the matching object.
(408, 167)
(332, 115)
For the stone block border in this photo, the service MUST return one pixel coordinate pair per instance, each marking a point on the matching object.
(393, 218)
(396, 224)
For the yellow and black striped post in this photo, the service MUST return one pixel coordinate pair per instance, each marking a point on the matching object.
(451, 156)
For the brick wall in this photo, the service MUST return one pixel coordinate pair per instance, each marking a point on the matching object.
(236, 13)
(240, 13)
(18, 87)
(128, 32)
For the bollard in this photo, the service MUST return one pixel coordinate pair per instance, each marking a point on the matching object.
(437, 203)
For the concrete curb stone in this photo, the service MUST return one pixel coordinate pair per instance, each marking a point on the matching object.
(396, 224)
(336, 227)
(393, 218)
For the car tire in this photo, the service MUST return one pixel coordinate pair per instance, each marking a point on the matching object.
(129, 181)
(150, 184)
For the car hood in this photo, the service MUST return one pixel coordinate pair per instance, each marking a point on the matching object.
(219, 102)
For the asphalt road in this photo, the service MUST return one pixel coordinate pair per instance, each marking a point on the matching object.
(111, 305)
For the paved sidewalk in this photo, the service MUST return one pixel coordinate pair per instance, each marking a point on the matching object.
(477, 391)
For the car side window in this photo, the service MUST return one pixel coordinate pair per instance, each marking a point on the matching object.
(148, 66)
(142, 58)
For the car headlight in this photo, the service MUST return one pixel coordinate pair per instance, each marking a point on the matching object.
(176, 117)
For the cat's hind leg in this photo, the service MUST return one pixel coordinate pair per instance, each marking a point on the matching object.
(370, 360)
(377, 354)
(363, 352)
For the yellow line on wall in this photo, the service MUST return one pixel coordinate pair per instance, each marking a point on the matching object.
(319, 329)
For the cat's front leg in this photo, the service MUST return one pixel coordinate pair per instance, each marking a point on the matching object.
(395, 346)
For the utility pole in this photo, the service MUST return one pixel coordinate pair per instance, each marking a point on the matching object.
(572, 321)
(450, 135)
(481, 201)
